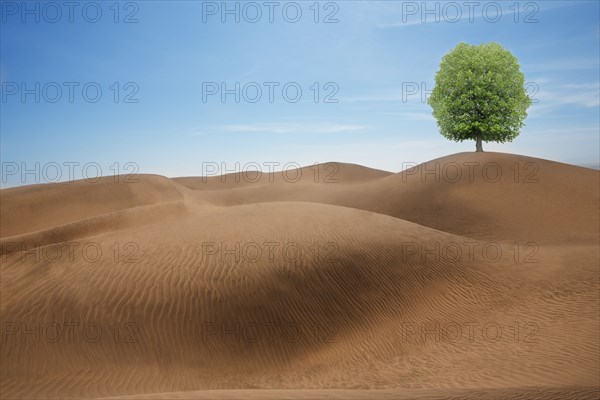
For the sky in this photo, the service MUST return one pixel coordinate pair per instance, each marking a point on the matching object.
(177, 87)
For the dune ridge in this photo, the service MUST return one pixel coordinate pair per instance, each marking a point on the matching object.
(35, 207)
(475, 203)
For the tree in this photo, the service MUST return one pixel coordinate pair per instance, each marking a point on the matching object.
(479, 95)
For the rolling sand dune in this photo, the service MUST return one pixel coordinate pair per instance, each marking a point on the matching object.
(374, 285)
(320, 173)
(481, 195)
(29, 208)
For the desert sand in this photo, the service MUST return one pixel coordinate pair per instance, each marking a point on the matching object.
(471, 276)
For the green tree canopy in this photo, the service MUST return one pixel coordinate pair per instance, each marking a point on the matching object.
(479, 94)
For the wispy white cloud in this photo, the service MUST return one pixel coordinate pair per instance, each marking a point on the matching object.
(419, 13)
(549, 98)
(375, 98)
(411, 115)
(558, 134)
(282, 128)
(571, 64)
(414, 95)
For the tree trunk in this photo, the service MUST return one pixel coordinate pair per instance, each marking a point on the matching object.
(478, 145)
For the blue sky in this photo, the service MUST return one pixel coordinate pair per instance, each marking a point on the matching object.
(370, 61)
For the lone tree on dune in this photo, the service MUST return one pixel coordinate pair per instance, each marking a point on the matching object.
(479, 94)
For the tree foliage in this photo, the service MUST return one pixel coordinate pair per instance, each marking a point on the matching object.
(479, 94)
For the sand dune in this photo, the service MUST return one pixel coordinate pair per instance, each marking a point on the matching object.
(365, 285)
(332, 172)
(482, 195)
(30, 208)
